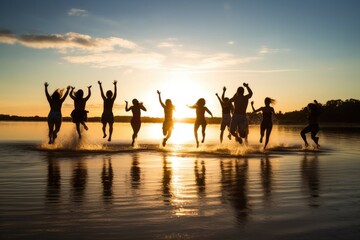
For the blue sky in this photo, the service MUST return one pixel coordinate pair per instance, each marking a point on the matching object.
(293, 51)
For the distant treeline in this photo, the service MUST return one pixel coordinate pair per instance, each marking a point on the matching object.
(334, 111)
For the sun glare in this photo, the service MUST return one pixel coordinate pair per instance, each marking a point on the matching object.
(183, 90)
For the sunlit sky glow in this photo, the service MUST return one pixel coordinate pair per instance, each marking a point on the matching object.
(293, 51)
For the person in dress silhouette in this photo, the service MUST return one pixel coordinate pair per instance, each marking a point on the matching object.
(79, 114)
(200, 119)
(107, 116)
(55, 117)
(313, 127)
(136, 119)
(227, 109)
(266, 124)
(168, 124)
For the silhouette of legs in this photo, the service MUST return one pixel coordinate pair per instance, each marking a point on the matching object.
(196, 127)
(110, 131)
(51, 131)
(57, 129)
(221, 136)
(314, 129)
(268, 132)
(78, 129)
(203, 128)
(104, 129)
(136, 128)
(84, 125)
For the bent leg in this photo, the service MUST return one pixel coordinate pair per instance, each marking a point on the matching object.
(303, 132)
(110, 131)
(267, 137)
(203, 128)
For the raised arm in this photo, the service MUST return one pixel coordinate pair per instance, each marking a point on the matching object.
(101, 91)
(248, 89)
(89, 93)
(115, 89)
(223, 94)
(48, 97)
(257, 110)
(162, 104)
(221, 102)
(126, 106)
(66, 94)
(72, 93)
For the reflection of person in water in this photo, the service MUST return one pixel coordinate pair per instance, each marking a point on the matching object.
(200, 177)
(55, 118)
(53, 180)
(266, 178)
(136, 119)
(168, 121)
(227, 109)
(313, 127)
(266, 124)
(310, 178)
(200, 119)
(107, 176)
(166, 181)
(135, 172)
(107, 116)
(79, 180)
(234, 187)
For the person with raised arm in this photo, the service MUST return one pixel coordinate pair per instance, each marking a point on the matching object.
(227, 109)
(168, 124)
(239, 124)
(266, 124)
(55, 117)
(313, 127)
(79, 114)
(200, 119)
(107, 116)
(136, 119)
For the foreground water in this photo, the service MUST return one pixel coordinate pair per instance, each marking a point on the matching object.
(98, 190)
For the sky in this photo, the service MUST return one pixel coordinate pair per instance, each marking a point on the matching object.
(292, 51)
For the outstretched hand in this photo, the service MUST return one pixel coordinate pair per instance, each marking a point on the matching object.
(224, 88)
(46, 84)
(126, 102)
(99, 82)
(158, 92)
(68, 87)
(252, 102)
(246, 85)
(216, 94)
(115, 82)
(89, 87)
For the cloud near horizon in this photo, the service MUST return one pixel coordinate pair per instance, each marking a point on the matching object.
(78, 12)
(115, 52)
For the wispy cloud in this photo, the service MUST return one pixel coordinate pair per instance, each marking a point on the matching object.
(267, 50)
(115, 52)
(67, 41)
(78, 12)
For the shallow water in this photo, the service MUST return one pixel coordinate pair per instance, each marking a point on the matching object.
(93, 189)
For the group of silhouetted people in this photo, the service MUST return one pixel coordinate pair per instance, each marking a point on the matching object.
(233, 115)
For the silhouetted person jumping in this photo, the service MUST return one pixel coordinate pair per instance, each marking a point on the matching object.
(168, 124)
(313, 127)
(136, 119)
(55, 118)
(107, 116)
(227, 110)
(79, 114)
(239, 124)
(200, 119)
(266, 124)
